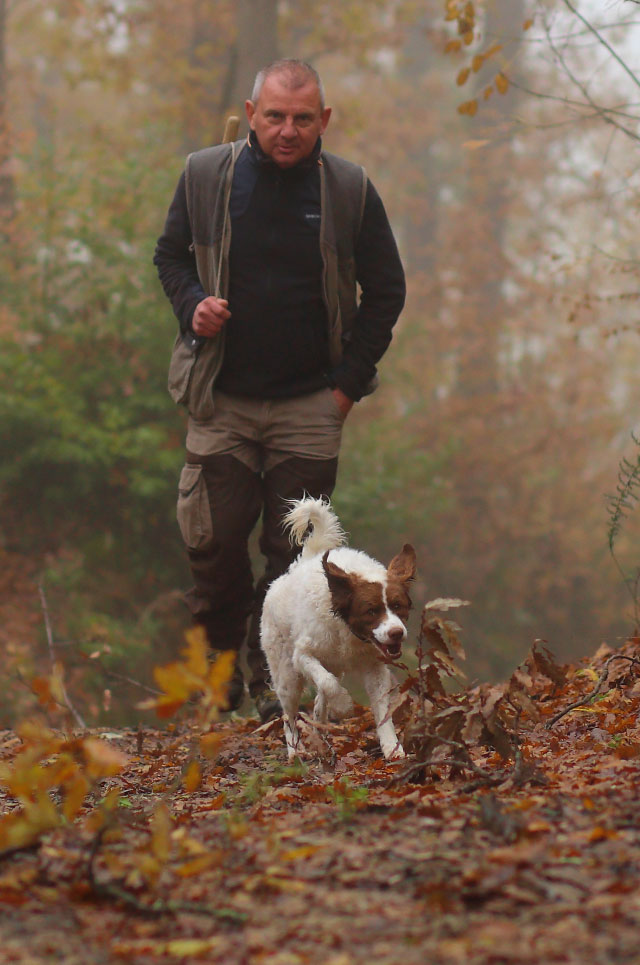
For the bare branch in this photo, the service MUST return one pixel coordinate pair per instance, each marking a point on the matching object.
(605, 113)
(53, 656)
(596, 690)
(601, 40)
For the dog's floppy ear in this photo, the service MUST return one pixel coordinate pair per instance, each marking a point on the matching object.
(403, 566)
(340, 587)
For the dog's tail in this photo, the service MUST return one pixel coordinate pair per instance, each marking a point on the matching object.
(326, 533)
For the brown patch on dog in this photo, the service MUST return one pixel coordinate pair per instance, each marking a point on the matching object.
(400, 572)
(360, 603)
(356, 601)
(340, 588)
(402, 567)
(399, 600)
(367, 609)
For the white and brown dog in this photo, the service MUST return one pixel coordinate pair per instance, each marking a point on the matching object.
(335, 611)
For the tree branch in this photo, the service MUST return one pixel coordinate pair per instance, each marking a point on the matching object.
(601, 40)
(594, 693)
(53, 657)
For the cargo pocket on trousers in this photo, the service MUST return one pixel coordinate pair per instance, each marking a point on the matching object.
(194, 512)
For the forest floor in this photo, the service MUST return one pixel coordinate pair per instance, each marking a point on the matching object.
(342, 859)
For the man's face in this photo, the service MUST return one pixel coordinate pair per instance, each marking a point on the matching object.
(287, 121)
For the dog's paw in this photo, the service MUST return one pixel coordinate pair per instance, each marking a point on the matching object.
(332, 688)
(300, 752)
(394, 752)
(339, 705)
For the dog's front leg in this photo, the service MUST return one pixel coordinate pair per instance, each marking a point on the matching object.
(378, 683)
(327, 686)
(295, 747)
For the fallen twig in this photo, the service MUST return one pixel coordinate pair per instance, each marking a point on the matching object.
(456, 762)
(462, 761)
(53, 657)
(594, 693)
(113, 892)
(129, 680)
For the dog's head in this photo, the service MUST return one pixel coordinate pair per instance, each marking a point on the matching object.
(375, 611)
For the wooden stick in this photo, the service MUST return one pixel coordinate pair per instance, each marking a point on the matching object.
(231, 128)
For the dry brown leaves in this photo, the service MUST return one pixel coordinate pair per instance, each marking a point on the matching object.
(504, 836)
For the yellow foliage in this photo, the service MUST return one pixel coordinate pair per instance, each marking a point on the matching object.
(469, 107)
(76, 792)
(195, 676)
(299, 854)
(502, 84)
(451, 10)
(474, 145)
(101, 759)
(462, 76)
(196, 651)
(192, 777)
(220, 676)
(209, 744)
(186, 948)
(57, 684)
(161, 833)
(202, 862)
(42, 689)
(49, 763)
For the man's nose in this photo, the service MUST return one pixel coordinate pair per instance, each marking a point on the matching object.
(288, 128)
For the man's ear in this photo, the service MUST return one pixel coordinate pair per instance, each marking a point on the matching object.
(324, 119)
(403, 566)
(250, 109)
(340, 587)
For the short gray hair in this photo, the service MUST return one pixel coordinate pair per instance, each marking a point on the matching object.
(297, 73)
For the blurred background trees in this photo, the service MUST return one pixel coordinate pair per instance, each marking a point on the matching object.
(501, 136)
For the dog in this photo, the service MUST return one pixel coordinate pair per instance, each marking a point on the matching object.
(335, 610)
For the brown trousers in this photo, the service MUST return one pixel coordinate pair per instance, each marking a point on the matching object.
(221, 499)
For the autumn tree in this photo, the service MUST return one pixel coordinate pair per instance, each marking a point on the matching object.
(488, 443)
(7, 190)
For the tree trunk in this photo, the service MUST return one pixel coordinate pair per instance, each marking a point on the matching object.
(419, 226)
(483, 268)
(256, 47)
(7, 186)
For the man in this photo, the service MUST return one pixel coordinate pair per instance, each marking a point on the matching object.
(263, 245)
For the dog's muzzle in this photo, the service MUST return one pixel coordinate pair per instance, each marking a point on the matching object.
(391, 647)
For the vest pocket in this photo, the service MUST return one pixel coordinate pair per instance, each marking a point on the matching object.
(194, 512)
(183, 359)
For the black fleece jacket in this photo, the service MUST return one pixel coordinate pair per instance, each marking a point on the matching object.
(276, 340)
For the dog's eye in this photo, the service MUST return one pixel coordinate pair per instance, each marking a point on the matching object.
(396, 605)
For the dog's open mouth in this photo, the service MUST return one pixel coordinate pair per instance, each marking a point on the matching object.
(390, 651)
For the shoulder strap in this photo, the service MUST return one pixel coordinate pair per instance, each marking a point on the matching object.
(347, 187)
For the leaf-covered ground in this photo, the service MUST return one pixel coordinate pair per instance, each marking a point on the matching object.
(345, 858)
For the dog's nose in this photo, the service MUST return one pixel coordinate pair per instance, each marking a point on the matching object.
(396, 635)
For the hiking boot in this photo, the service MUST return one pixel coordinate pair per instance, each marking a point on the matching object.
(235, 694)
(267, 705)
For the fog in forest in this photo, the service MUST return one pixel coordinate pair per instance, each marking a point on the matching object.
(503, 139)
